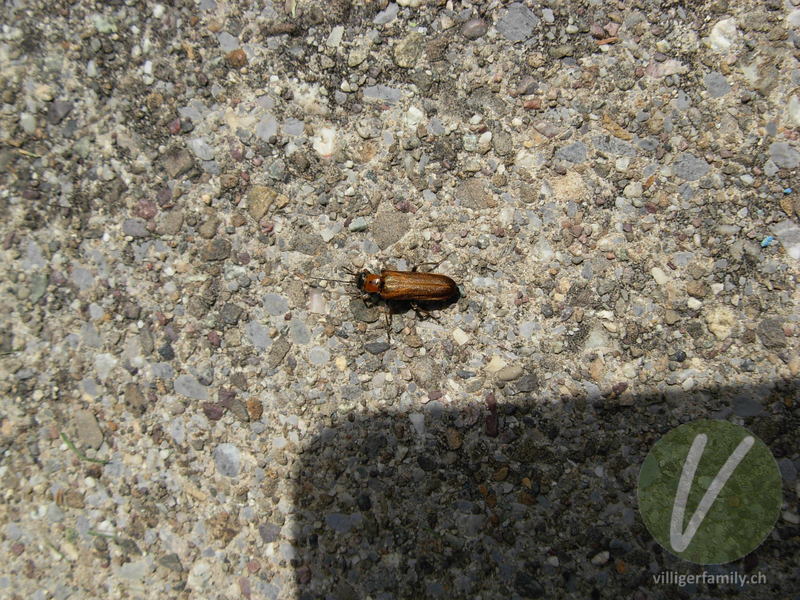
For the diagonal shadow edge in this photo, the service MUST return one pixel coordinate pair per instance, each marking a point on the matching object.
(533, 497)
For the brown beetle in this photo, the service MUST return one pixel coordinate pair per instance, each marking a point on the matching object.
(404, 286)
(409, 286)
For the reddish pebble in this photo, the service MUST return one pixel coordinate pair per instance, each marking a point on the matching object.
(213, 411)
(620, 387)
(146, 209)
(236, 58)
(597, 31)
(303, 574)
(532, 104)
(244, 587)
(253, 566)
(214, 339)
(175, 126)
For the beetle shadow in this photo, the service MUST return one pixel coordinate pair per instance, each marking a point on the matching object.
(398, 307)
(529, 497)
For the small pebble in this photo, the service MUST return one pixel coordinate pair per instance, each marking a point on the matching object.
(474, 29)
(376, 347)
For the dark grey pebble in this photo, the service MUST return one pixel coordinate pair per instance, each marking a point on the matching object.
(362, 312)
(716, 84)
(771, 334)
(783, 155)
(171, 562)
(58, 110)
(746, 405)
(788, 470)
(135, 227)
(341, 522)
(217, 249)
(517, 23)
(575, 152)
(269, 532)
(376, 347)
(231, 313)
(689, 167)
(526, 383)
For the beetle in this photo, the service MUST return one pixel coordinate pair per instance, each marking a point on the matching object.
(409, 286)
(412, 287)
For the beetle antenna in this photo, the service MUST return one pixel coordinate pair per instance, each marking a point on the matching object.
(326, 279)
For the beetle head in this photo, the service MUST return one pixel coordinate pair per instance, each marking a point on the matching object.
(370, 282)
(360, 277)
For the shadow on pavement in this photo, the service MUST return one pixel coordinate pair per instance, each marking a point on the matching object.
(535, 498)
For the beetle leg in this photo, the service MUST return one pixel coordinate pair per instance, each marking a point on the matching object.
(387, 313)
(415, 267)
(423, 314)
(435, 264)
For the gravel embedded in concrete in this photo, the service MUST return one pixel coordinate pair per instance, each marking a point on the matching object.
(185, 411)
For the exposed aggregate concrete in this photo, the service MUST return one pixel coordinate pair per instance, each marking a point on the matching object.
(186, 413)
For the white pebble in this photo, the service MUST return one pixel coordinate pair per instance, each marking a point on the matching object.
(414, 116)
(460, 336)
(316, 303)
(325, 142)
(722, 36)
(496, 364)
(28, 122)
(659, 275)
(794, 109)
